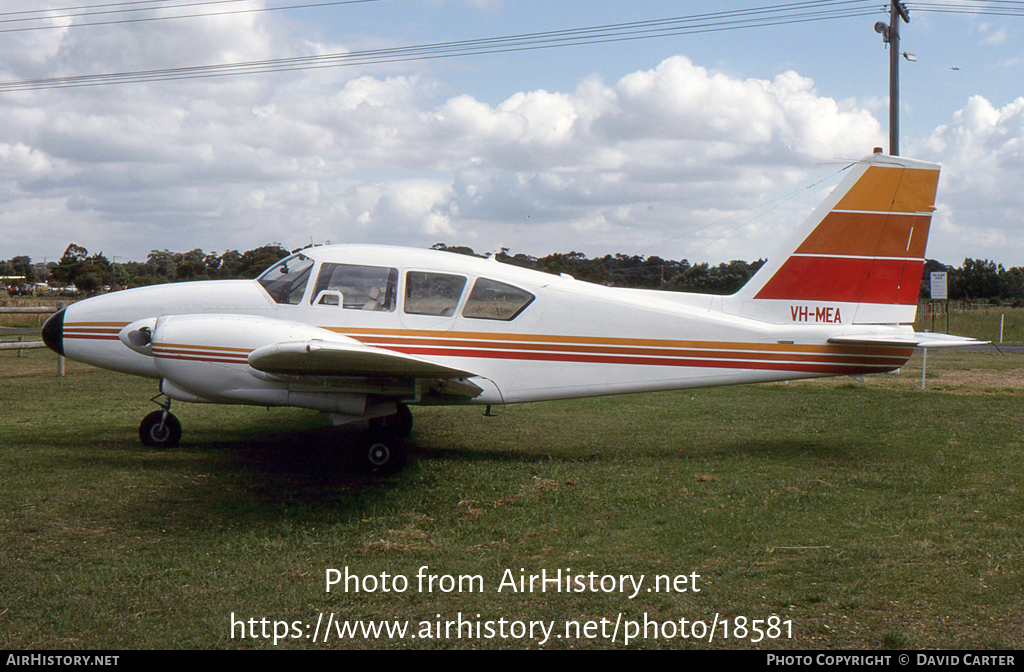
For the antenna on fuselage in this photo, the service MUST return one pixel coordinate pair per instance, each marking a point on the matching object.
(504, 243)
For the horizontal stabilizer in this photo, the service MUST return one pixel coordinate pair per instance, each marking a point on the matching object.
(326, 358)
(919, 339)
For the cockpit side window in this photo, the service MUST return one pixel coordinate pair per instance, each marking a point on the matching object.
(286, 280)
(493, 300)
(356, 287)
(432, 293)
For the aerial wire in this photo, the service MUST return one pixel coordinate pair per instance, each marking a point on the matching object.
(253, 10)
(703, 23)
(774, 203)
(791, 13)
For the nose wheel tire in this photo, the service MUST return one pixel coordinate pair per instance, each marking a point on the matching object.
(160, 429)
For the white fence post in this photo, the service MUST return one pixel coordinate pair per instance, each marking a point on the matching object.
(924, 364)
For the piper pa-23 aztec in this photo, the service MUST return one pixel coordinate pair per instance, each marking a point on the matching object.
(362, 332)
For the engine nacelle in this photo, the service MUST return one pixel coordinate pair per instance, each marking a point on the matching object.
(204, 358)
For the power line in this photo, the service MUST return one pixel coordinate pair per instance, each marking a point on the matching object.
(47, 10)
(975, 11)
(115, 21)
(976, 7)
(775, 15)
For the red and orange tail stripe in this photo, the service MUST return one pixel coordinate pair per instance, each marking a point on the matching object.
(870, 248)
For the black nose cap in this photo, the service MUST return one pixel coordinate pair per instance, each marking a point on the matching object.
(53, 332)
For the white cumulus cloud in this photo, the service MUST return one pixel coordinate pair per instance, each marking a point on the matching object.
(676, 159)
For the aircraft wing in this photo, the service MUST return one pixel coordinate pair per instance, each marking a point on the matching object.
(920, 339)
(327, 358)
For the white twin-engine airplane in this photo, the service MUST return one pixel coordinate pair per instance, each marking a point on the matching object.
(361, 332)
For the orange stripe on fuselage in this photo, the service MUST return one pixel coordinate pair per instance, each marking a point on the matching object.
(462, 345)
(360, 333)
(201, 353)
(214, 348)
(824, 359)
(93, 331)
(581, 349)
(824, 367)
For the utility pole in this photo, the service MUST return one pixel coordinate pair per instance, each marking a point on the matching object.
(891, 34)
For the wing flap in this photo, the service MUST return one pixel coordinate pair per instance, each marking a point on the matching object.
(327, 358)
(918, 339)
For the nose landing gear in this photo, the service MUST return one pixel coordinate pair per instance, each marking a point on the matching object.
(379, 449)
(160, 429)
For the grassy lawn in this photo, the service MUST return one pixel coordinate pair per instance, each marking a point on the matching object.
(867, 515)
(982, 323)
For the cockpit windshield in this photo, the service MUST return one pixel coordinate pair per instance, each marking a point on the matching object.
(286, 280)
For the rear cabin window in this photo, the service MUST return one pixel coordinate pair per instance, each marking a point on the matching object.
(432, 293)
(356, 287)
(493, 300)
(286, 280)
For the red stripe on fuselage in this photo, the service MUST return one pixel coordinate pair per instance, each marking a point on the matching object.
(593, 350)
(837, 356)
(653, 361)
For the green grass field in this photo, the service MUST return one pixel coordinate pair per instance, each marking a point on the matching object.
(867, 515)
(982, 323)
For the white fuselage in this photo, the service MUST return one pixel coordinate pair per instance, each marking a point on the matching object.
(573, 339)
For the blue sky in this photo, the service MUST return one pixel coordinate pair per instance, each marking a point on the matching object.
(846, 58)
(679, 146)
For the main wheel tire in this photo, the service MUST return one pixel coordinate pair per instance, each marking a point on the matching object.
(156, 431)
(380, 451)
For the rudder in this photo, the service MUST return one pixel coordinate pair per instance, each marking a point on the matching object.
(859, 257)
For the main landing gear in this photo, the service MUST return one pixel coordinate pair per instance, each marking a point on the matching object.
(160, 429)
(378, 449)
(381, 447)
(399, 422)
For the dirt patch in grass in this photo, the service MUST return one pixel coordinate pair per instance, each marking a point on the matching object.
(979, 380)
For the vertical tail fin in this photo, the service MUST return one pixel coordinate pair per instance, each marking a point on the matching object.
(858, 258)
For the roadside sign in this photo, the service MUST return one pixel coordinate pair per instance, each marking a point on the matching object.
(939, 286)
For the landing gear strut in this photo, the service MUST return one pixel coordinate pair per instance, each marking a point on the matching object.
(399, 422)
(160, 429)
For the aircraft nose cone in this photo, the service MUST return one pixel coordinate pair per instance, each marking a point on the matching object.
(53, 332)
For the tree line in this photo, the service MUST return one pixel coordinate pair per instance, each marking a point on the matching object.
(93, 273)
(636, 271)
(974, 280)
